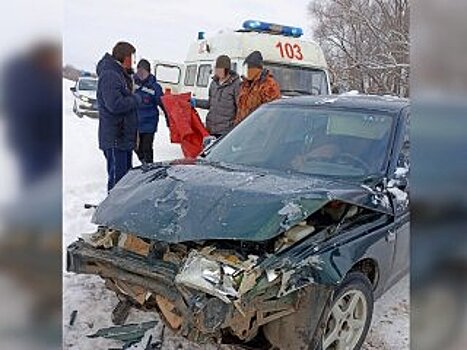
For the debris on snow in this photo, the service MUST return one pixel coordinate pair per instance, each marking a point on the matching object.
(73, 315)
(128, 334)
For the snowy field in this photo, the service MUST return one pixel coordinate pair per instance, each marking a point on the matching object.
(85, 182)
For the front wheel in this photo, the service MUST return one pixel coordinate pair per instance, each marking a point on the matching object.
(75, 110)
(348, 318)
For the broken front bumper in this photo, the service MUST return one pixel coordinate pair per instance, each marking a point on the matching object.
(196, 314)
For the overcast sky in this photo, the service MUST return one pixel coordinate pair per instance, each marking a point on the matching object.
(162, 29)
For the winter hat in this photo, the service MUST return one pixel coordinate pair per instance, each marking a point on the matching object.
(223, 61)
(254, 60)
(144, 64)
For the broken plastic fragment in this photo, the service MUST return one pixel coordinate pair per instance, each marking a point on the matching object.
(167, 309)
(101, 239)
(206, 275)
(129, 334)
(293, 235)
(271, 275)
(134, 244)
(248, 281)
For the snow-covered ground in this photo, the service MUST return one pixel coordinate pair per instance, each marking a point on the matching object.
(85, 182)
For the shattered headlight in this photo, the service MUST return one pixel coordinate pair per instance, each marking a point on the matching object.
(212, 277)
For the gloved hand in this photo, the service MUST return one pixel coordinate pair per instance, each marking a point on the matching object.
(193, 102)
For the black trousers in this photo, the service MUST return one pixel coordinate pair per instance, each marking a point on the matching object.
(145, 151)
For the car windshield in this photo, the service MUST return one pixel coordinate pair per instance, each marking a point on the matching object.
(87, 84)
(299, 80)
(325, 142)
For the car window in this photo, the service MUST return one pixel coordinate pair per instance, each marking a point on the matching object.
(87, 85)
(190, 74)
(313, 141)
(204, 73)
(299, 80)
(166, 73)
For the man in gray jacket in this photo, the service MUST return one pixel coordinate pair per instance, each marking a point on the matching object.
(222, 101)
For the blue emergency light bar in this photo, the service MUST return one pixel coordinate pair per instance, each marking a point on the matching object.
(264, 27)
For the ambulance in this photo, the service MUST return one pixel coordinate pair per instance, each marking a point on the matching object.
(298, 65)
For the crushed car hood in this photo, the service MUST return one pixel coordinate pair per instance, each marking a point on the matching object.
(177, 202)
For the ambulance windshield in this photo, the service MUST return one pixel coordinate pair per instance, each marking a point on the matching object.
(295, 81)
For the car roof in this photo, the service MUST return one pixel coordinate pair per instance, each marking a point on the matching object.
(390, 104)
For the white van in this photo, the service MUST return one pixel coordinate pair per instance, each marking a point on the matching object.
(298, 65)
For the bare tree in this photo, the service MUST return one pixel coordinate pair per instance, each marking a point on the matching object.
(366, 43)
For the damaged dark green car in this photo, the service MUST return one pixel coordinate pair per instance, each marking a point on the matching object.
(282, 234)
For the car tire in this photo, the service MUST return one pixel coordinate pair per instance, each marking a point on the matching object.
(347, 319)
(307, 328)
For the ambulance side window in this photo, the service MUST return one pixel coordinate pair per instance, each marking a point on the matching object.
(204, 73)
(168, 73)
(190, 75)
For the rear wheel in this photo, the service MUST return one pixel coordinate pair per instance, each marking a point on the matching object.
(346, 324)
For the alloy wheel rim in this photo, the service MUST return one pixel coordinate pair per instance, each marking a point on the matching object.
(346, 321)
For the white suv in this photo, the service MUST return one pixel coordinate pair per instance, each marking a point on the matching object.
(85, 92)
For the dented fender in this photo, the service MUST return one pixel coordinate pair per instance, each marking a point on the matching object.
(327, 263)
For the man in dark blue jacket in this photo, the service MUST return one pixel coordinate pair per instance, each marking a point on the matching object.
(118, 120)
(150, 91)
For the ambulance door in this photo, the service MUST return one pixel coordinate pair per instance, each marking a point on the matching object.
(169, 75)
(189, 77)
(203, 79)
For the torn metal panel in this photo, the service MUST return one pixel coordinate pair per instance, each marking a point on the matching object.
(201, 201)
(204, 296)
(314, 262)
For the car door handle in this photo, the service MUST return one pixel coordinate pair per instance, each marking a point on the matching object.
(391, 236)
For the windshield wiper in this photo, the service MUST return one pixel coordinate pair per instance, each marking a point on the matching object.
(371, 179)
(297, 91)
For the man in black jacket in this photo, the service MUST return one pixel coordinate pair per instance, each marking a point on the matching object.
(222, 101)
(118, 121)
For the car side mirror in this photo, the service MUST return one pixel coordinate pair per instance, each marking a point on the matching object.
(400, 179)
(73, 89)
(208, 141)
(401, 183)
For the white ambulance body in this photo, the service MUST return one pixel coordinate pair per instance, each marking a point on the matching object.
(298, 65)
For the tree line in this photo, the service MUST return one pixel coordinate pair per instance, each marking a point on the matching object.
(366, 43)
